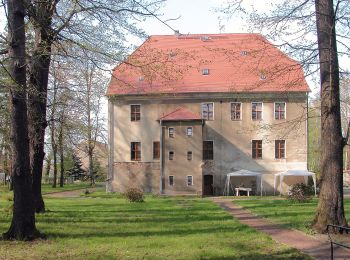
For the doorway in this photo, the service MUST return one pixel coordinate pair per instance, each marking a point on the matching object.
(208, 189)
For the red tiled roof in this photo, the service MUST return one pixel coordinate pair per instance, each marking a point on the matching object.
(236, 63)
(180, 114)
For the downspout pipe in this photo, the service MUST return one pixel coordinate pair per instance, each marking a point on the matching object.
(307, 130)
(161, 159)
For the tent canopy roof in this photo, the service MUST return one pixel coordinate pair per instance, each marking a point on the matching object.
(295, 173)
(243, 173)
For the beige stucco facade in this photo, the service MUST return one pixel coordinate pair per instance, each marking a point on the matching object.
(232, 141)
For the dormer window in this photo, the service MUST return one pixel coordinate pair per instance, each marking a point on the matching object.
(244, 53)
(262, 76)
(172, 54)
(141, 78)
(205, 71)
(205, 38)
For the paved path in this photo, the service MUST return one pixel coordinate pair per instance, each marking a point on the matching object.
(69, 194)
(317, 248)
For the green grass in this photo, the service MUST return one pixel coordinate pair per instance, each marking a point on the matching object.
(47, 188)
(104, 226)
(286, 213)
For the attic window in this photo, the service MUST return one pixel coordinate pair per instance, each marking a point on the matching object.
(262, 76)
(141, 78)
(172, 54)
(205, 38)
(205, 71)
(244, 53)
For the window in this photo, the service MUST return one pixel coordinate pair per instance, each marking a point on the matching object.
(205, 71)
(189, 180)
(236, 111)
(189, 131)
(171, 132)
(189, 156)
(156, 150)
(280, 149)
(262, 76)
(171, 155)
(171, 180)
(135, 112)
(135, 151)
(257, 149)
(280, 111)
(208, 150)
(208, 111)
(256, 110)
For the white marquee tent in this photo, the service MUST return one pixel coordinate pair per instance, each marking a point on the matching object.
(299, 173)
(241, 173)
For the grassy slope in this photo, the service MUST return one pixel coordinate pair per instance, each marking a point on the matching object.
(289, 214)
(108, 227)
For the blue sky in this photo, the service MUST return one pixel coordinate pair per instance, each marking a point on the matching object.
(196, 16)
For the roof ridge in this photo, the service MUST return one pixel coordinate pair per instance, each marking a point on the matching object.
(172, 112)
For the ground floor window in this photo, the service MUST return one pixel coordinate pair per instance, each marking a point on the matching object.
(156, 150)
(171, 180)
(135, 151)
(189, 180)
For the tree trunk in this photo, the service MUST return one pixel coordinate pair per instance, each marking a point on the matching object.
(38, 81)
(54, 155)
(48, 167)
(330, 208)
(89, 133)
(23, 220)
(60, 143)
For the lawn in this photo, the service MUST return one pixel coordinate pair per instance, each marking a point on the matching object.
(108, 227)
(289, 214)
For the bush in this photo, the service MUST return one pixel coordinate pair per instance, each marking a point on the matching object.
(134, 195)
(300, 192)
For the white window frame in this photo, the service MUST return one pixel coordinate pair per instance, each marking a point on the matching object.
(262, 111)
(191, 131)
(231, 111)
(285, 110)
(173, 180)
(130, 112)
(173, 155)
(213, 110)
(169, 132)
(187, 180)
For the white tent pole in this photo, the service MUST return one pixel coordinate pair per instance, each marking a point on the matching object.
(227, 185)
(261, 185)
(281, 179)
(314, 179)
(274, 186)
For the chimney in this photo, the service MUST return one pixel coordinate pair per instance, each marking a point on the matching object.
(177, 33)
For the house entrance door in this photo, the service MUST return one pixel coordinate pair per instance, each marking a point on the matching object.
(208, 189)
